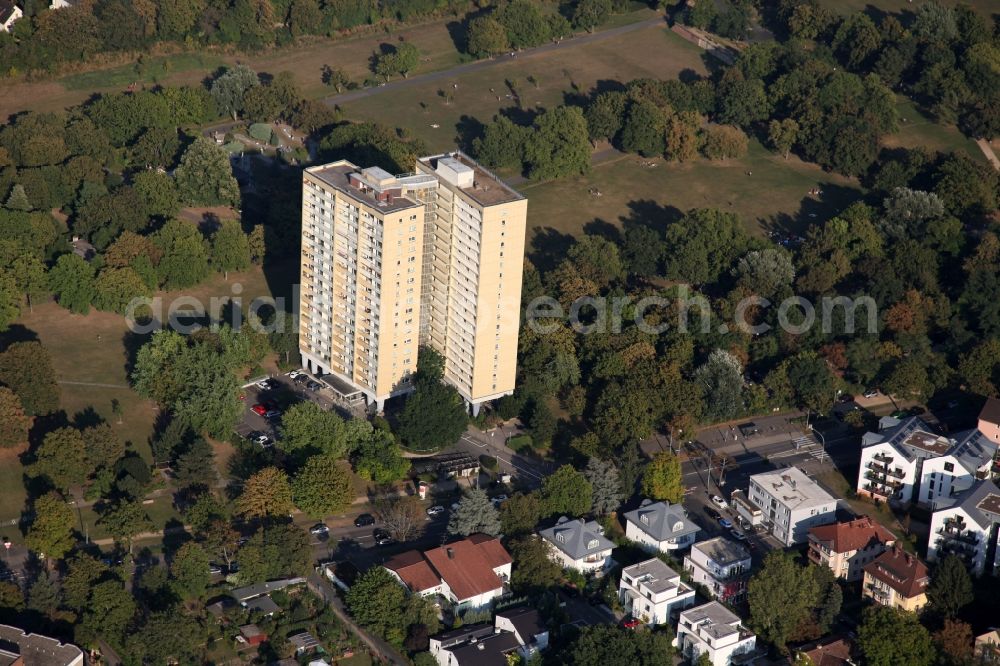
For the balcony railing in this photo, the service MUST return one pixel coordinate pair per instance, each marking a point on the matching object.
(876, 490)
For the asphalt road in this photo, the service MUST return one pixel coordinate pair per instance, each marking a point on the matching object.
(528, 470)
(480, 65)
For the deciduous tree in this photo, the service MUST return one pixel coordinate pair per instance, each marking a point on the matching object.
(323, 486)
(266, 494)
(51, 532)
(520, 514)
(72, 282)
(26, 368)
(125, 520)
(189, 571)
(62, 459)
(486, 37)
(781, 595)
(662, 479)
(566, 492)
(535, 571)
(403, 517)
(205, 177)
(14, 423)
(889, 637)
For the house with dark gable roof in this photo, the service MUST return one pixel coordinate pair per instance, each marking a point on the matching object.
(9, 15)
(578, 544)
(516, 632)
(660, 527)
(896, 579)
(470, 573)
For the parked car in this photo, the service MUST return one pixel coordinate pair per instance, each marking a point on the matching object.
(719, 502)
(294, 374)
(870, 393)
(319, 529)
(738, 534)
(749, 429)
(214, 570)
(272, 414)
(314, 386)
(712, 513)
(261, 439)
(630, 623)
(725, 523)
(301, 379)
(265, 385)
(364, 520)
(259, 409)
(499, 499)
(382, 538)
(435, 510)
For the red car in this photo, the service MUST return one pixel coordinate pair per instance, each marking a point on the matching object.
(260, 410)
(631, 623)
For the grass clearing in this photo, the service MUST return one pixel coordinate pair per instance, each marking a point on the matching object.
(561, 74)
(775, 196)
(12, 493)
(91, 355)
(920, 130)
(152, 71)
(160, 512)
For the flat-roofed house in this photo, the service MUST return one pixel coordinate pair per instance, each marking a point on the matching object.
(652, 592)
(714, 630)
(722, 566)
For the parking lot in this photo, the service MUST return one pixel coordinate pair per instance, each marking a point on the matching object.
(265, 399)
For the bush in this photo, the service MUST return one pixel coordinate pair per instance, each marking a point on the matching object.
(260, 131)
(519, 443)
(489, 462)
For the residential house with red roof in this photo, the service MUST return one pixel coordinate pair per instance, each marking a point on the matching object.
(846, 547)
(469, 573)
(896, 579)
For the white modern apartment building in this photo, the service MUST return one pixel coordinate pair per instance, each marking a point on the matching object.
(717, 631)
(391, 262)
(791, 503)
(969, 528)
(651, 592)
(908, 462)
(722, 566)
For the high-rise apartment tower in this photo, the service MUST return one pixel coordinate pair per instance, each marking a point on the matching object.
(393, 262)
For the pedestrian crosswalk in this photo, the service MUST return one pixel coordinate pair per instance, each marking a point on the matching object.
(808, 444)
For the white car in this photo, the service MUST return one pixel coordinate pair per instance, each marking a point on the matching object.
(262, 439)
(435, 510)
(264, 385)
(294, 373)
(719, 502)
